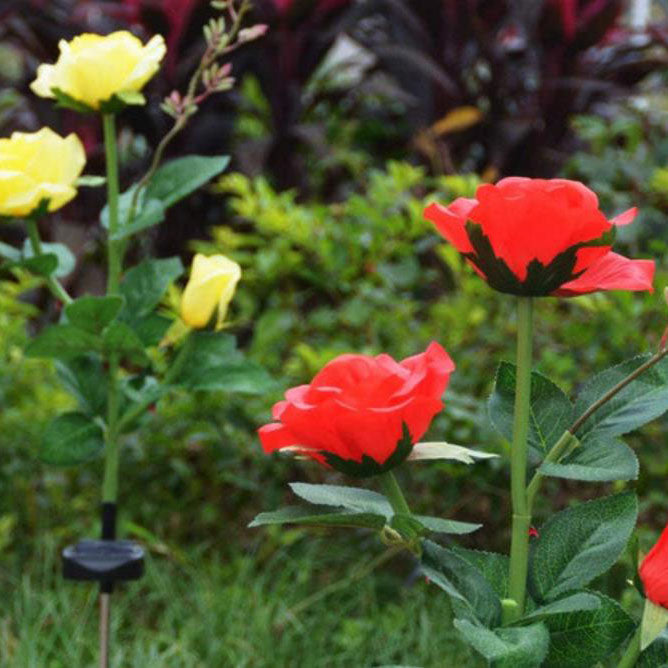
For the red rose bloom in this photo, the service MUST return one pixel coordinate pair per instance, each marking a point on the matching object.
(654, 571)
(361, 414)
(537, 237)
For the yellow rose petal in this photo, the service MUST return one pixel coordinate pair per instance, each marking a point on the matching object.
(211, 286)
(93, 68)
(38, 165)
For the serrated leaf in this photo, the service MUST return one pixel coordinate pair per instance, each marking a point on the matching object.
(596, 460)
(178, 178)
(656, 655)
(352, 498)
(472, 597)
(574, 602)
(578, 544)
(65, 260)
(512, 647)
(144, 285)
(440, 450)
(86, 380)
(120, 339)
(492, 565)
(641, 401)
(551, 410)
(62, 342)
(582, 639)
(318, 516)
(93, 314)
(214, 364)
(69, 439)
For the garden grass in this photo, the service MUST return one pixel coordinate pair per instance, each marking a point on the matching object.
(294, 608)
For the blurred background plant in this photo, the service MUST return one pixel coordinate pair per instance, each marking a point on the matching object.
(348, 117)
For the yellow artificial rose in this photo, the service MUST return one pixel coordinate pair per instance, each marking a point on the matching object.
(92, 68)
(35, 166)
(212, 283)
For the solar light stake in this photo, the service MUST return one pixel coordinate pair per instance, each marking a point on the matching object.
(104, 629)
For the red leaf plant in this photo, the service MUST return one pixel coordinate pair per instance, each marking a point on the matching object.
(361, 414)
(537, 237)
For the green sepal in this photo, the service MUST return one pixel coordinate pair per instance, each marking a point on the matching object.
(66, 101)
(541, 280)
(654, 621)
(369, 466)
(90, 181)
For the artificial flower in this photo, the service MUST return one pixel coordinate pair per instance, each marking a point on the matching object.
(537, 237)
(213, 280)
(38, 166)
(361, 414)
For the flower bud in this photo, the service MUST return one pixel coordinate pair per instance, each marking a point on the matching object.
(212, 283)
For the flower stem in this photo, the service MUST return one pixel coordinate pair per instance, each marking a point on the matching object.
(114, 260)
(394, 494)
(57, 290)
(632, 651)
(519, 548)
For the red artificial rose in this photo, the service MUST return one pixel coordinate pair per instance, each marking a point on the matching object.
(361, 414)
(537, 237)
(654, 571)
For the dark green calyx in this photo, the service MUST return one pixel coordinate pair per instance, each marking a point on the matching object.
(541, 280)
(369, 466)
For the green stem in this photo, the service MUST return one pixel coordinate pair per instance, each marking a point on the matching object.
(57, 290)
(632, 651)
(394, 494)
(114, 261)
(135, 411)
(519, 547)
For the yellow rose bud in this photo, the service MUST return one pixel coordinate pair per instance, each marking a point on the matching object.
(212, 283)
(36, 166)
(92, 68)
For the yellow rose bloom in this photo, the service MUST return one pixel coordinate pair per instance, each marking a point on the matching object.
(212, 283)
(35, 166)
(92, 68)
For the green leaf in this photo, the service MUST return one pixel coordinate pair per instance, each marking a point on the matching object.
(214, 364)
(148, 212)
(492, 565)
(144, 285)
(42, 265)
(9, 252)
(93, 314)
(641, 401)
(472, 597)
(597, 459)
(551, 410)
(513, 647)
(316, 516)
(656, 655)
(578, 544)
(62, 342)
(351, 498)
(70, 439)
(440, 525)
(119, 338)
(86, 380)
(178, 178)
(151, 328)
(582, 600)
(64, 258)
(581, 639)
